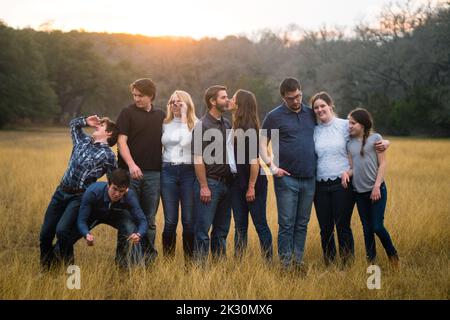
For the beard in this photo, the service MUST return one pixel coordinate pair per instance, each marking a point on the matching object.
(294, 107)
(222, 107)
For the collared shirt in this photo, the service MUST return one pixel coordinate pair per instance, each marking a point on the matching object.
(296, 143)
(230, 152)
(215, 159)
(89, 160)
(96, 200)
(144, 131)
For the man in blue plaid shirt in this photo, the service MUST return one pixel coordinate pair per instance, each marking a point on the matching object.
(91, 158)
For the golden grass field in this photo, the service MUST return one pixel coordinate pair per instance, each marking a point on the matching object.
(418, 180)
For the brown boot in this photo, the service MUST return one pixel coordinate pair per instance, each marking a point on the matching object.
(394, 262)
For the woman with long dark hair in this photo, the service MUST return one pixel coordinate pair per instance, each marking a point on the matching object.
(249, 191)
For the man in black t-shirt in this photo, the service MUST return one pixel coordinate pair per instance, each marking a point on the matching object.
(140, 152)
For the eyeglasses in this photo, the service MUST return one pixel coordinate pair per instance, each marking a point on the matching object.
(174, 103)
(297, 97)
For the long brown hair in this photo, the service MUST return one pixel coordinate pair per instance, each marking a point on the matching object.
(246, 115)
(363, 117)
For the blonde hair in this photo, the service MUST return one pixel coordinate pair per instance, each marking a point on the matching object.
(190, 113)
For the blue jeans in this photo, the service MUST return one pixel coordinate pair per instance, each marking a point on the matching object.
(60, 218)
(334, 207)
(372, 219)
(177, 187)
(294, 202)
(216, 213)
(127, 254)
(257, 209)
(148, 192)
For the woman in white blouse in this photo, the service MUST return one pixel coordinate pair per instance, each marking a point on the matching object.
(177, 173)
(333, 198)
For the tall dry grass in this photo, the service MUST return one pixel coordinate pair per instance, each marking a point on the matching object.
(417, 216)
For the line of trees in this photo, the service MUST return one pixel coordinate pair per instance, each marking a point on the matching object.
(399, 70)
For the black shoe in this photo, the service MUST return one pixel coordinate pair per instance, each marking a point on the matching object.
(169, 241)
(188, 246)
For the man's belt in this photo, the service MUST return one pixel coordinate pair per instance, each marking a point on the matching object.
(71, 190)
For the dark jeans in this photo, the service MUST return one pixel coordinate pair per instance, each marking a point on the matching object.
(177, 188)
(148, 192)
(216, 213)
(127, 254)
(60, 217)
(257, 209)
(334, 207)
(372, 219)
(294, 202)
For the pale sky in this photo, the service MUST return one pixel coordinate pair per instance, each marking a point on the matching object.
(193, 18)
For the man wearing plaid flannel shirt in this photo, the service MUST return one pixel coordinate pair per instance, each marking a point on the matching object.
(91, 158)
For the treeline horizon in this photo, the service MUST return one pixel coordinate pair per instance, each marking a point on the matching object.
(399, 70)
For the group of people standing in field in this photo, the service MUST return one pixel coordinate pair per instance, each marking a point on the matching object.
(206, 170)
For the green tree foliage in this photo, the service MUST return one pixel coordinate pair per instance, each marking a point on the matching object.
(81, 79)
(25, 91)
(398, 70)
(404, 66)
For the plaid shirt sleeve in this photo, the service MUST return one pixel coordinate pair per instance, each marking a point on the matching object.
(76, 131)
(110, 162)
(105, 163)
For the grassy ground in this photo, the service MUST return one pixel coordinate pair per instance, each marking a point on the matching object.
(418, 180)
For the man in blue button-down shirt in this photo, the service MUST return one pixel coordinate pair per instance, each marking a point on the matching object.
(294, 175)
(116, 205)
(91, 158)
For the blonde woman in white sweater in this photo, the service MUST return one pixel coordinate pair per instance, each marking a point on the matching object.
(177, 174)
